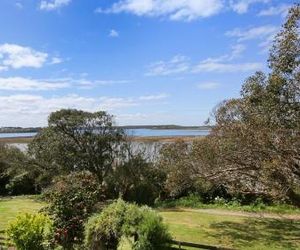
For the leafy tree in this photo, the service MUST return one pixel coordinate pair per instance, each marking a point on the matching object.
(175, 161)
(254, 147)
(257, 136)
(77, 140)
(135, 178)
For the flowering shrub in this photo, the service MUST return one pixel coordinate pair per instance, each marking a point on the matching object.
(71, 200)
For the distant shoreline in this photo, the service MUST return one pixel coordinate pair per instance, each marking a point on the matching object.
(142, 139)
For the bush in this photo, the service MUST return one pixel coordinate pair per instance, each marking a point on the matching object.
(141, 226)
(71, 200)
(104, 231)
(151, 233)
(30, 231)
(23, 183)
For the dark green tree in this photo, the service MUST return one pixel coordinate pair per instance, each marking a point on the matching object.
(77, 140)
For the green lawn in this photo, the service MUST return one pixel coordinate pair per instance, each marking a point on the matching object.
(191, 226)
(233, 231)
(10, 207)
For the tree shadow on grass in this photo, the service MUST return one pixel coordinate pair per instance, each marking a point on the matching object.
(283, 234)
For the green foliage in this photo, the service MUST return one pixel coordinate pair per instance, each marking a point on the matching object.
(253, 150)
(71, 200)
(151, 233)
(135, 178)
(142, 226)
(76, 141)
(23, 183)
(104, 230)
(30, 231)
(17, 172)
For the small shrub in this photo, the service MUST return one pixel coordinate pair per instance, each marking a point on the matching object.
(104, 231)
(141, 226)
(151, 233)
(71, 200)
(30, 231)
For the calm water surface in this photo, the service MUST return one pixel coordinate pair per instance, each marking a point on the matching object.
(134, 132)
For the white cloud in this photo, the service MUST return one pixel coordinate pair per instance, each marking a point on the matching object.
(153, 97)
(29, 84)
(178, 64)
(208, 85)
(25, 84)
(113, 33)
(56, 60)
(89, 84)
(221, 64)
(242, 6)
(206, 66)
(19, 5)
(275, 10)
(53, 4)
(264, 33)
(16, 56)
(260, 32)
(186, 10)
(179, 10)
(33, 110)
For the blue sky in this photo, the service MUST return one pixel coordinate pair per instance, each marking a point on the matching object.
(144, 61)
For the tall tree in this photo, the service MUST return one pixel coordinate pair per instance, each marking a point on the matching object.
(257, 136)
(77, 140)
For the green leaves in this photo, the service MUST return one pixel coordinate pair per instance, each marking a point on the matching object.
(30, 231)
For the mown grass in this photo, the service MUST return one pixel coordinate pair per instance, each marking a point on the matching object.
(10, 207)
(233, 231)
(192, 226)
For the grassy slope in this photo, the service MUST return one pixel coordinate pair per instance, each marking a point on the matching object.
(230, 231)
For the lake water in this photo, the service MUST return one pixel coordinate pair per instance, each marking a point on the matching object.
(133, 132)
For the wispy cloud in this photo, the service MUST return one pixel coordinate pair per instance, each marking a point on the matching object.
(224, 67)
(259, 32)
(179, 10)
(242, 6)
(208, 85)
(264, 33)
(25, 84)
(56, 60)
(113, 33)
(153, 97)
(29, 84)
(19, 5)
(276, 10)
(16, 56)
(186, 10)
(222, 64)
(178, 64)
(19, 107)
(53, 4)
